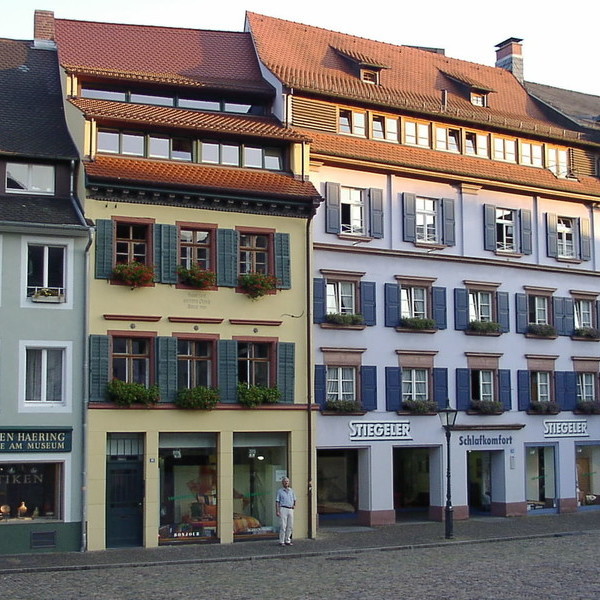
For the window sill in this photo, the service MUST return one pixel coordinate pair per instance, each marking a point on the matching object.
(194, 288)
(336, 326)
(430, 245)
(543, 414)
(509, 254)
(409, 330)
(533, 336)
(355, 237)
(409, 413)
(482, 414)
(569, 260)
(338, 413)
(579, 338)
(48, 299)
(484, 333)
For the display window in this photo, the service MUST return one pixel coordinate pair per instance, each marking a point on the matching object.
(337, 482)
(588, 475)
(188, 488)
(259, 465)
(29, 491)
(540, 468)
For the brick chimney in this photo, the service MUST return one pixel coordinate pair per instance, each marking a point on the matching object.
(43, 30)
(509, 56)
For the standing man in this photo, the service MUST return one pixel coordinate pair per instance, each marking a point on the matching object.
(285, 502)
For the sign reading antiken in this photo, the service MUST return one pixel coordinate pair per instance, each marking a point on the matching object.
(35, 440)
(363, 431)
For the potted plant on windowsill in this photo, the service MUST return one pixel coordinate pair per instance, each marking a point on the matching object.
(417, 323)
(420, 407)
(588, 407)
(486, 407)
(199, 397)
(251, 396)
(344, 319)
(134, 274)
(541, 330)
(484, 327)
(543, 408)
(48, 295)
(196, 277)
(125, 393)
(256, 285)
(346, 407)
(590, 333)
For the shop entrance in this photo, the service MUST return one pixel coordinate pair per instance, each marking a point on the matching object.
(411, 480)
(124, 491)
(479, 481)
(541, 478)
(588, 475)
(337, 483)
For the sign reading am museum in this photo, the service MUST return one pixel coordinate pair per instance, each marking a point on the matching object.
(35, 440)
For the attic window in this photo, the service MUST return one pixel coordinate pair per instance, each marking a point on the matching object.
(478, 99)
(370, 76)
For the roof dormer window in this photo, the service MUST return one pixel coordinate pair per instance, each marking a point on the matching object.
(370, 76)
(479, 99)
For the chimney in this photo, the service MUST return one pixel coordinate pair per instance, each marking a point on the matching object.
(509, 56)
(43, 30)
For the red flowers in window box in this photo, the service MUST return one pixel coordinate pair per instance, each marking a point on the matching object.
(134, 274)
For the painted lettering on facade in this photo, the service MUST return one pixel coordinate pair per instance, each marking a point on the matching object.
(361, 431)
(572, 428)
(485, 440)
(35, 440)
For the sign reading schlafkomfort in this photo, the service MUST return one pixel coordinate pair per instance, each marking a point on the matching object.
(362, 431)
(35, 440)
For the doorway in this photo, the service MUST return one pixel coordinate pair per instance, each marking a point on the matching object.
(479, 481)
(411, 481)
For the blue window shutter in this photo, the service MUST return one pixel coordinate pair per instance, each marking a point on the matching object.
(448, 219)
(461, 308)
(227, 257)
(99, 367)
(597, 323)
(332, 205)
(165, 253)
(440, 386)
(504, 388)
(438, 306)
(463, 389)
(552, 235)
(104, 248)
(558, 314)
(321, 386)
(368, 387)
(282, 261)
(367, 302)
(228, 371)
(524, 389)
(286, 370)
(585, 239)
(166, 367)
(409, 206)
(393, 388)
(565, 385)
(392, 304)
(521, 312)
(526, 231)
(376, 212)
(319, 299)
(489, 227)
(503, 311)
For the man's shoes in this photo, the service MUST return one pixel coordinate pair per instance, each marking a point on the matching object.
(282, 544)
(289, 544)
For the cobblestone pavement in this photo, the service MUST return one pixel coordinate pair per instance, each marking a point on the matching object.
(533, 558)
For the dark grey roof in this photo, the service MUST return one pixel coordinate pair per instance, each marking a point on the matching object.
(43, 210)
(582, 108)
(32, 121)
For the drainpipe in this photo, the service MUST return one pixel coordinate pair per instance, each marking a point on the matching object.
(309, 380)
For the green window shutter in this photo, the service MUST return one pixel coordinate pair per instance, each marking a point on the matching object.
(282, 261)
(228, 371)
(104, 248)
(99, 366)
(285, 371)
(166, 367)
(165, 253)
(227, 257)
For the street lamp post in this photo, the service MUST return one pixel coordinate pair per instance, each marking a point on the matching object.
(448, 419)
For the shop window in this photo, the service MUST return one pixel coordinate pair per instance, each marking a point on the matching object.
(30, 491)
(540, 470)
(415, 304)
(26, 178)
(477, 144)
(131, 359)
(428, 220)
(195, 364)
(188, 488)
(46, 272)
(568, 238)
(417, 134)
(337, 487)
(588, 477)
(507, 230)
(259, 464)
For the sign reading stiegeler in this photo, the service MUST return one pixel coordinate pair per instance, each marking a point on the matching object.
(363, 431)
(571, 428)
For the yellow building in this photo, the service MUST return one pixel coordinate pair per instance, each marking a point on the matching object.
(199, 298)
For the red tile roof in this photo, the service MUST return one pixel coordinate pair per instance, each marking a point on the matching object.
(161, 54)
(333, 145)
(145, 115)
(199, 178)
(305, 58)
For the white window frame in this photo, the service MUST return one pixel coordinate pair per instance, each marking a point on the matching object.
(341, 297)
(479, 99)
(586, 387)
(541, 386)
(415, 384)
(447, 139)
(353, 199)
(480, 147)
(532, 154)
(505, 149)
(481, 305)
(506, 230)
(31, 167)
(584, 313)
(566, 233)
(69, 290)
(337, 376)
(417, 133)
(389, 128)
(427, 220)
(557, 161)
(64, 406)
(357, 122)
(539, 307)
(486, 383)
(412, 297)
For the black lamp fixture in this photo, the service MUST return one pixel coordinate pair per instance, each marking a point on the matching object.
(448, 418)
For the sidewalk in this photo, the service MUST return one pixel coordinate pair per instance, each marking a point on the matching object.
(331, 539)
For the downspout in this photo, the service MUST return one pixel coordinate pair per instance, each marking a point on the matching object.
(309, 381)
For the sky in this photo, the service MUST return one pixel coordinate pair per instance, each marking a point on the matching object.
(558, 40)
